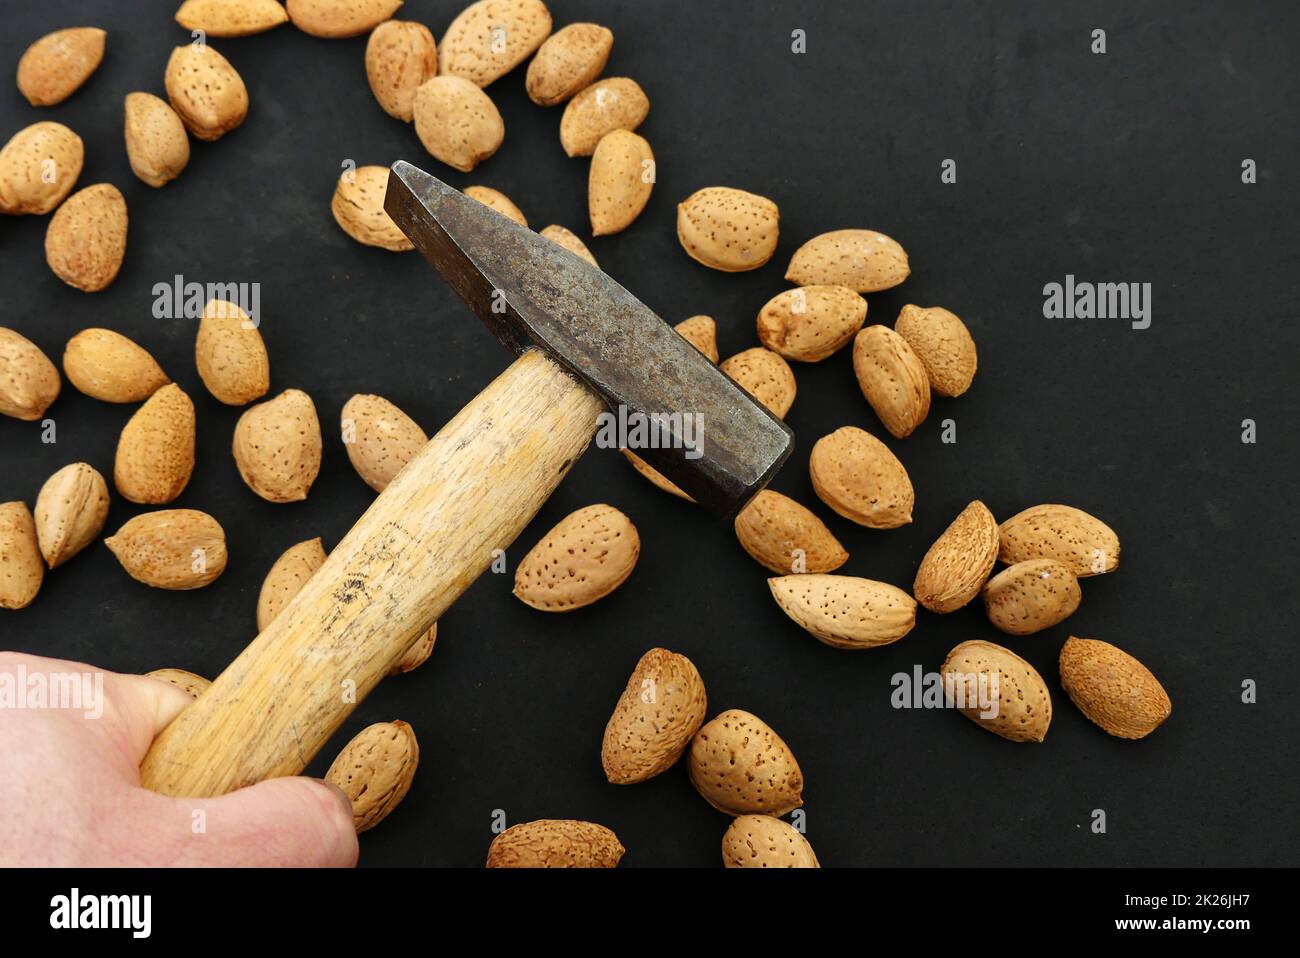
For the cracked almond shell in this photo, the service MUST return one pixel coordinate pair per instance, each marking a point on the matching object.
(555, 843)
(358, 208)
(765, 376)
(1082, 543)
(943, 344)
(176, 549)
(38, 168)
(892, 378)
(761, 841)
(855, 474)
(155, 452)
(490, 38)
(277, 447)
(786, 537)
(661, 708)
(1024, 706)
(619, 182)
(206, 91)
(586, 556)
(862, 260)
(381, 439)
(1115, 691)
(375, 771)
(812, 322)
(740, 766)
(70, 511)
(57, 64)
(568, 62)
(728, 229)
(845, 612)
(29, 382)
(21, 568)
(615, 103)
(457, 122)
(86, 239)
(959, 562)
(230, 354)
(400, 56)
(1031, 596)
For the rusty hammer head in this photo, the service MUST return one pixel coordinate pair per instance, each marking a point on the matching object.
(714, 441)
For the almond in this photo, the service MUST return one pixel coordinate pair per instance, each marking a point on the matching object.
(70, 512)
(230, 355)
(358, 208)
(21, 568)
(728, 229)
(288, 575)
(588, 555)
(765, 376)
(1115, 691)
(495, 199)
(741, 767)
(58, 63)
(155, 453)
(1083, 544)
(812, 322)
(661, 708)
(568, 62)
(277, 447)
(338, 19)
(761, 841)
(457, 122)
(189, 683)
(38, 168)
(156, 144)
(959, 563)
(944, 345)
(615, 103)
(655, 476)
(86, 239)
(1023, 707)
(380, 439)
(702, 333)
(231, 18)
(555, 843)
(490, 38)
(855, 474)
(862, 260)
(418, 653)
(205, 91)
(892, 378)
(844, 611)
(787, 537)
(619, 183)
(375, 770)
(29, 383)
(1031, 596)
(176, 549)
(107, 366)
(563, 237)
(400, 56)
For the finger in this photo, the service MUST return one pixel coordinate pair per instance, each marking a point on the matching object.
(146, 707)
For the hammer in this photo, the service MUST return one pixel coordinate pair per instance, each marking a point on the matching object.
(585, 346)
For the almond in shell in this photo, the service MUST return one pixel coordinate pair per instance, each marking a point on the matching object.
(86, 238)
(105, 365)
(338, 19)
(998, 690)
(29, 382)
(812, 322)
(702, 333)
(661, 708)
(277, 447)
(844, 611)
(156, 143)
(490, 38)
(418, 653)
(21, 568)
(70, 511)
(175, 549)
(375, 771)
(457, 122)
(619, 183)
(761, 841)
(615, 103)
(568, 62)
(358, 208)
(555, 843)
(496, 200)
(892, 378)
(380, 439)
(959, 563)
(57, 64)
(588, 555)
(189, 683)
(288, 575)
(765, 376)
(155, 453)
(38, 168)
(855, 474)
(728, 229)
(1031, 596)
(862, 260)
(231, 18)
(230, 354)
(1082, 543)
(944, 345)
(741, 767)
(1114, 690)
(787, 537)
(655, 476)
(206, 92)
(566, 238)
(400, 56)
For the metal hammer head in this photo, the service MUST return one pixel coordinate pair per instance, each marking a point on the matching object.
(714, 441)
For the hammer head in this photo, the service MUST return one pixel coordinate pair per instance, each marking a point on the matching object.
(666, 401)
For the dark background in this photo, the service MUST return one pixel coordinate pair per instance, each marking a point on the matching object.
(1118, 167)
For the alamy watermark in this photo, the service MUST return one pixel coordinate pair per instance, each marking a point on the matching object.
(622, 429)
(77, 691)
(968, 691)
(179, 299)
(1082, 300)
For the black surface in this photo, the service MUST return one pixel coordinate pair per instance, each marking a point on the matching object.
(1116, 167)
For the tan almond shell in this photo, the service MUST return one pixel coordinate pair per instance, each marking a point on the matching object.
(555, 843)
(1082, 543)
(383, 439)
(86, 239)
(472, 47)
(21, 568)
(568, 62)
(230, 354)
(892, 378)
(418, 653)
(457, 122)
(339, 19)
(26, 161)
(107, 366)
(176, 549)
(157, 145)
(660, 710)
(358, 208)
(773, 527)
(855, 474)
(956, 567)
(70, 511)
(728, 229)
(569, 240)
(496, 200)
(944, 345)
(29, 382)
(1024, 704)
(811, 322)
(655, 476)
(189, 683)
(375, 771)
(206, 91)
(57, 64)
(231, 18)
(862, 260)
(845, 612)
(155, 453)
(587, 555)
(400, 56)
(288, 575)
(765, 376)
(740, 766)
(1031, 596)
(614, 103)
(1115, 691)
(619, 182)
(702, 333)
(277, 447)
(761, 841)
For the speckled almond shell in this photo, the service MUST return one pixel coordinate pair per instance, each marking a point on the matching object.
(70, 512)
(42, 151)
(375, 771)
(21, 568)
(702, 333)
(661, 708)
(29, 382)
(812, 322)
(230, 354)
(1024, 704)
(944, 345)
(108, 366)
(58, 63)
(845, 612)
(620, 181)
(1031, 596)
(862, 260)
(855, 474)
(231, 18)
(1082, 543)
(496, 200)
(155, 453)
(568, 62)
(588, 555)
(176, 549)
(189, 683)
(555, 843)
(655, 476)
(741, 767)
(338, 19)
(761, 841)
(86, 239)
(358, 208)
(773, 527)
(956, 567)
(728, 229)
(277, 447)
(457, 122)
(615, 103)
(765, 376)
(1114, 690)
(892, 378)
(490, 38)
(400, 56)
(156, 143)
(288, 575)
(418, 653)
(205, 91)
(381, 438)
(569, 240)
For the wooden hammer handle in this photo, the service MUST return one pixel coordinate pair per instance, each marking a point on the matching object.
(427, 537)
